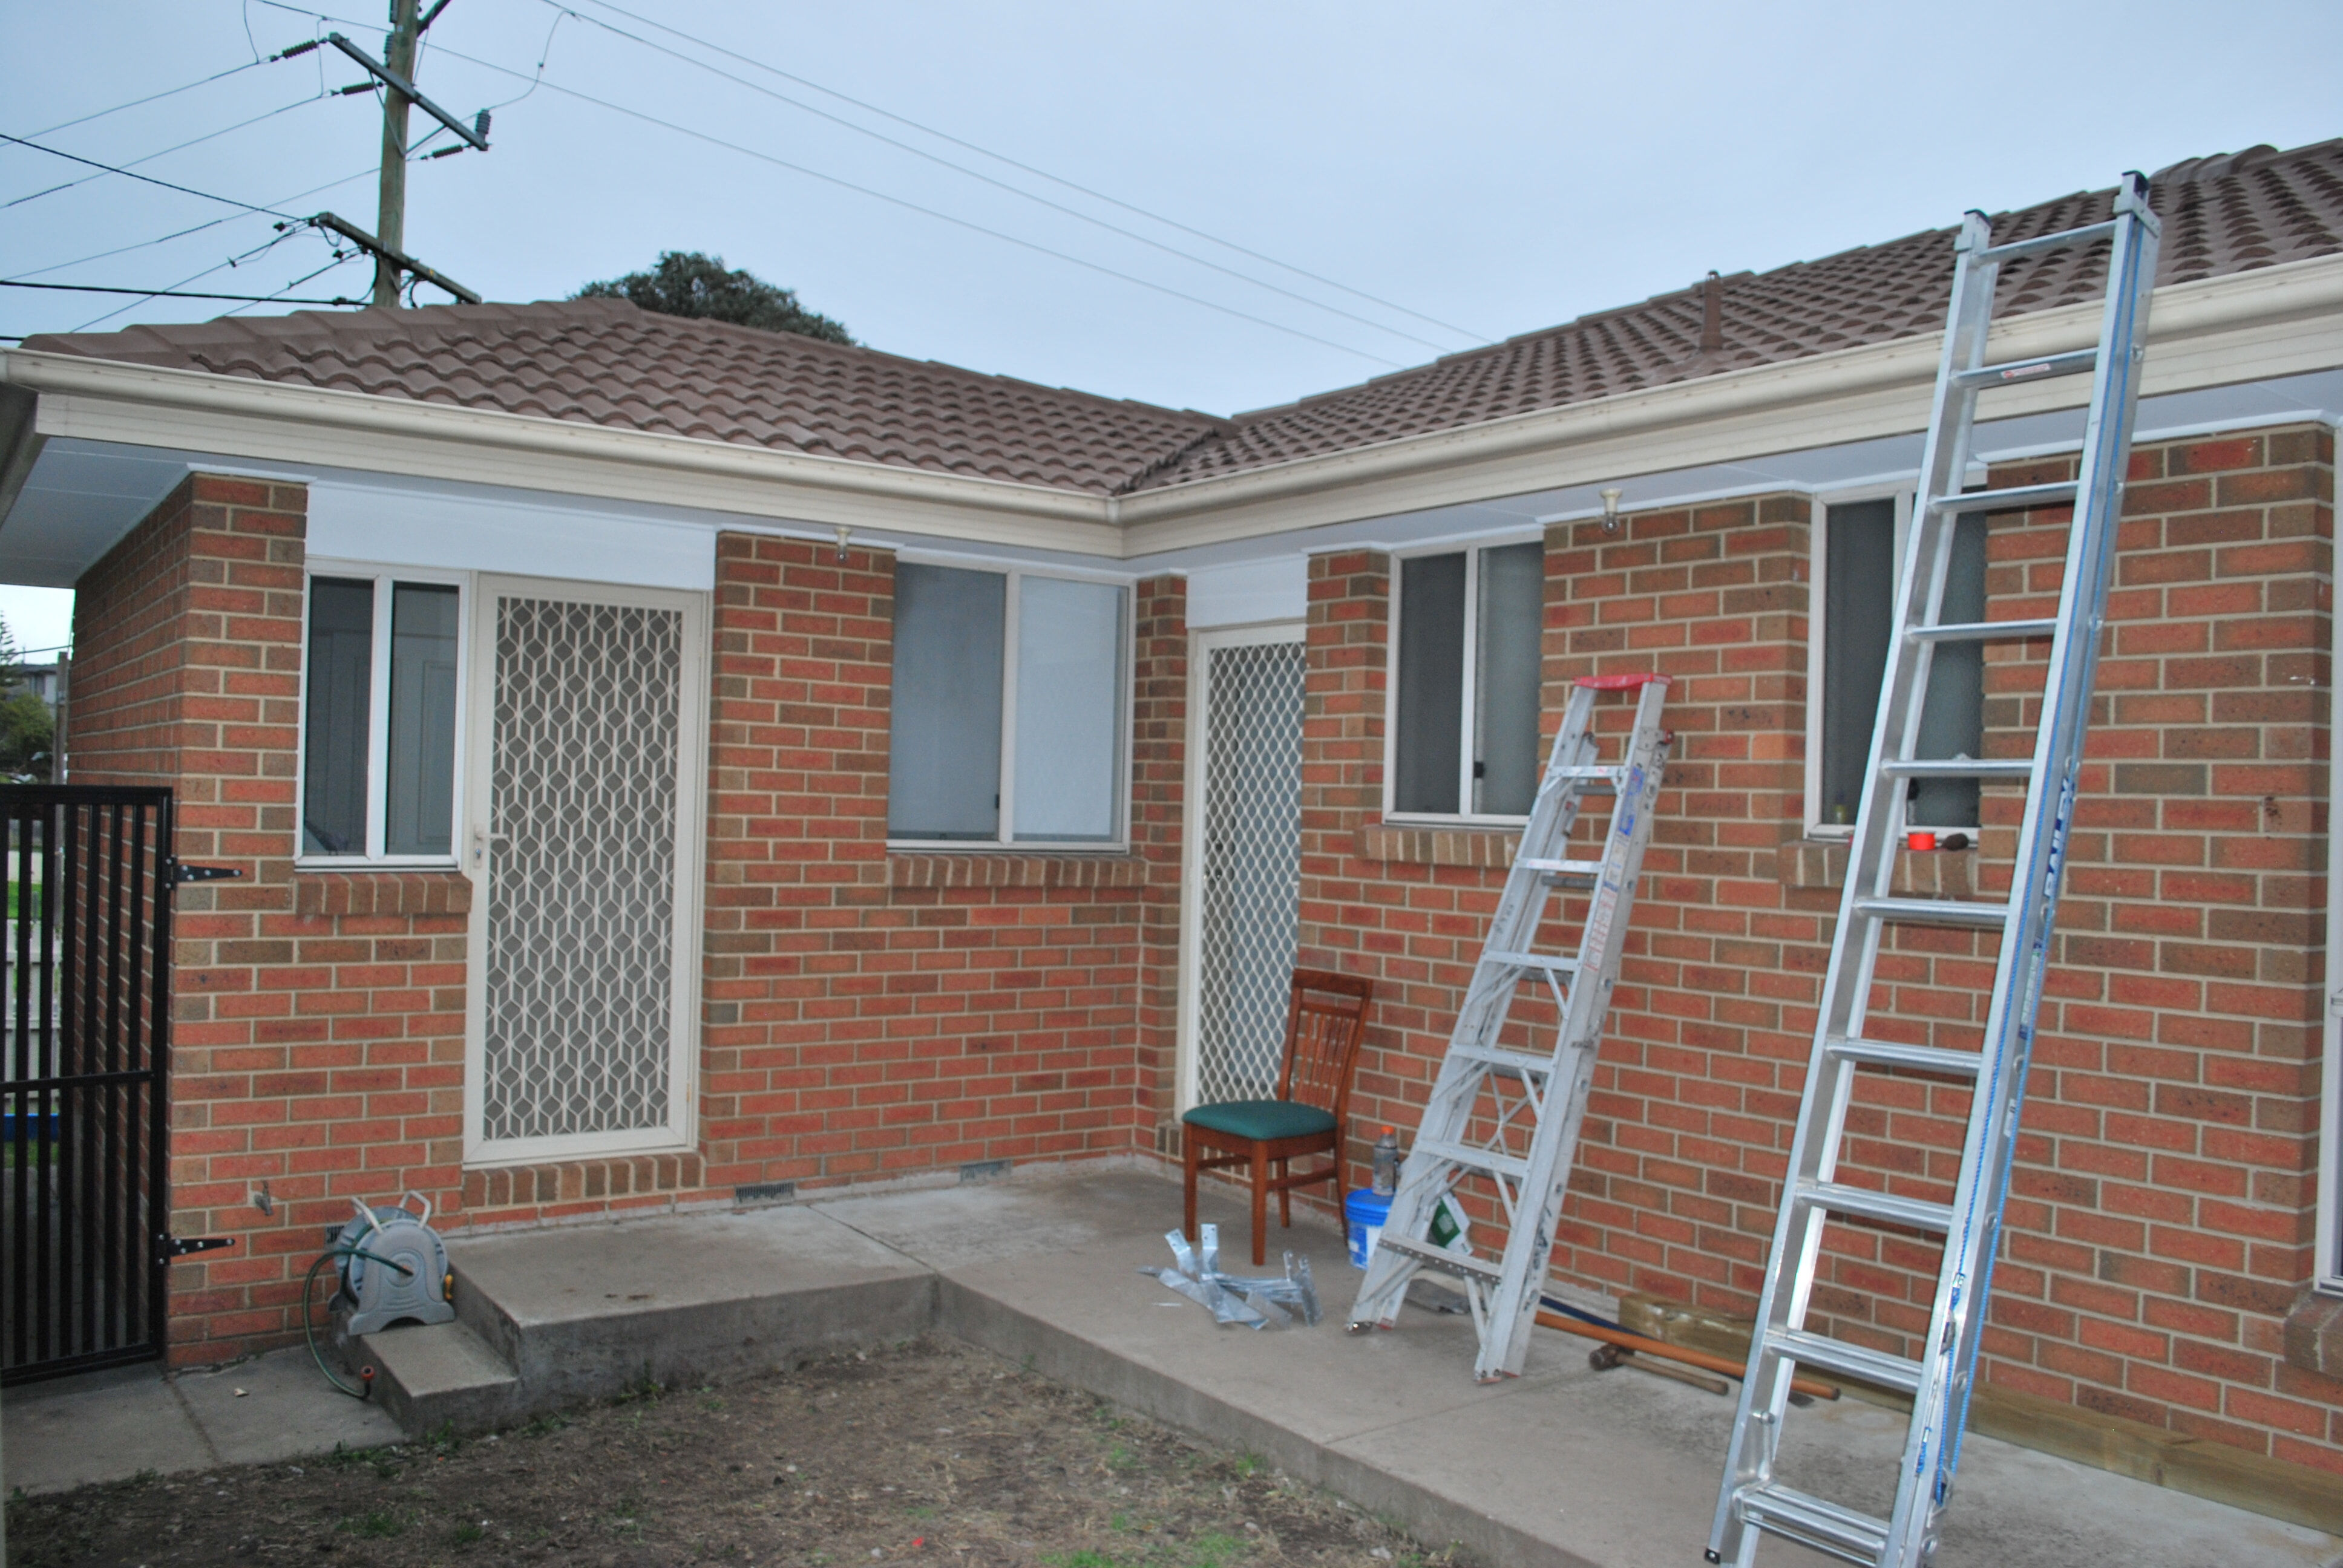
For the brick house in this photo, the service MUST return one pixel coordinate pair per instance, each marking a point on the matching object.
(679, 766)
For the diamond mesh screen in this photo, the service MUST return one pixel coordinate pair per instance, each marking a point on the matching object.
(1253, 868)
(581, 892)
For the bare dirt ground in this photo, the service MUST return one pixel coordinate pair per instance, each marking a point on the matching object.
(933, 1453)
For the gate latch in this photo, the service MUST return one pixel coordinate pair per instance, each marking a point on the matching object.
(182, 873)
(171, 1248)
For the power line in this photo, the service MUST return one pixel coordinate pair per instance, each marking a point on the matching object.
(998, 184)
(177, 293)
(150, 157)
(926, 211)
(149, 179)
(929, 212)
(288, 232)
(1030, 169)
(151, 97)
(197, 228)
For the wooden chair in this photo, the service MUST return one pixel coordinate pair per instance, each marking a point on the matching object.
(1325, 1020)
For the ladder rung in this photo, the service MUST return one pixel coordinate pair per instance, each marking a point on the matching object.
(1563, 868)
(1970, 915)
(2063, 240)
(1601, 772)
(2016, 498)
(1553, 961)
(1982, 631)
(2018, 371)
(1848, 1361)
(1961, 768)
(1893, 1053)
(1488, 1159)
(1863, 1202)
(1497, 1056)
(1442, 1258)
(1814, 1521)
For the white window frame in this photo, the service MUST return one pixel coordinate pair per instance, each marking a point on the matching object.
(1004, 842)
(2327, 1267)
(1901, 492)
(1471, 549)
(384, 577)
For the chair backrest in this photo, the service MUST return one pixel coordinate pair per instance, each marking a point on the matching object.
(1325, 1020)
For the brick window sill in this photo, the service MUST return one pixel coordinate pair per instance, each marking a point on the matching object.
(383, 892)
(1106, 871)
(2314, 1334)
(1820, 864)
(1489, 849)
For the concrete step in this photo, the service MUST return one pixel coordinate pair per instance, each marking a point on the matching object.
(441, 1375)
(548, 1318)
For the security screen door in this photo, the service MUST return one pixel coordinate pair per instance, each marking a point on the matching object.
(1244, 862)
(585, 852)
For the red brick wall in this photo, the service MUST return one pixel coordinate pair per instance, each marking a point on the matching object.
(315, 1054)
(2160, 1230)
(871, 1016)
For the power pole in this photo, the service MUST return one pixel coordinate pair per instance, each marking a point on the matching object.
(390, 221)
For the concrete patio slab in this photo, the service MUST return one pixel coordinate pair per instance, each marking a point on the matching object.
(111, 1425)
(1563, 1468)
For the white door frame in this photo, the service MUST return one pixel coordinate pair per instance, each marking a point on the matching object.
(1200, 645)
(679, 1131)
(2326, 1251)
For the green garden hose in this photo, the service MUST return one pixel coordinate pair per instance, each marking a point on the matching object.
(309, 1321)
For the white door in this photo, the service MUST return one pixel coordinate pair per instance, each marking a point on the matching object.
(585, 787)
(1243, 878)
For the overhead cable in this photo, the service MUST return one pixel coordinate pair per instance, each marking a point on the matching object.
(366, 173)
(175, 293)
(149, 179)
(149, 98)
(1030, 169)
(919, 152)
(150, 157)
(928, 211)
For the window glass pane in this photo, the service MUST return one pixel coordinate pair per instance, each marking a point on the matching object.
(340, 699)
(421, 819)
(1069, 709)
(1431, 683)
(943, 763)
(1952, 724)
(1858, 594)
(1505, 684)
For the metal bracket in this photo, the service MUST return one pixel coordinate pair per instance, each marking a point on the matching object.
(182, 872)
(170, 1247)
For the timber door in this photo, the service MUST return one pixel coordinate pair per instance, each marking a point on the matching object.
(588, 748)
(86, 1205)
(1242, 908)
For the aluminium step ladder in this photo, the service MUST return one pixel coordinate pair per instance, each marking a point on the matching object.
(1512, 1117)
(1752, 1501)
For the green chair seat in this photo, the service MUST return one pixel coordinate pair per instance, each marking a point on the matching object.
(1262, 1121)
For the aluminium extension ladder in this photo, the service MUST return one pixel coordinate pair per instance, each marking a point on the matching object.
(1539, 1100)
(1752, 1501)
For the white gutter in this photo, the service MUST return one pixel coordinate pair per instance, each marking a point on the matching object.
(2277, 321)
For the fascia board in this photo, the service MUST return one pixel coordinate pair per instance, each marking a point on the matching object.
(2278, 321)
(235, 416)
(2275, 321)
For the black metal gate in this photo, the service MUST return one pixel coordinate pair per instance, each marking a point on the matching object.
(85, 1082)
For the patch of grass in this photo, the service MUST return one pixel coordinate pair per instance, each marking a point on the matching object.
(1214, 1550)
(544, 1426)
(466, 1534)
(374, 1526)
(1083, 1558)
(1249, 1464)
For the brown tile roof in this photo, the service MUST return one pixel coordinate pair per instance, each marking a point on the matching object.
(2222, 214)
(604, 362)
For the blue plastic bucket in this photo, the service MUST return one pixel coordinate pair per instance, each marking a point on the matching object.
(1364, 1212)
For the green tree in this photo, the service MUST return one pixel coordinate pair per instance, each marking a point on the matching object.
(692, 283)
(27, 727)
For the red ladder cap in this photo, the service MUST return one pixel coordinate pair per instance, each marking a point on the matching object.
(1620, 682)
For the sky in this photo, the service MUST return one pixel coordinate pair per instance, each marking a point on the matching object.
(1223, 206)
